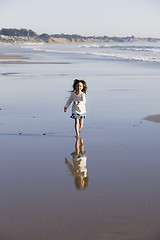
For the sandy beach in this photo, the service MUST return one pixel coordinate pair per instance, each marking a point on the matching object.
(153, 118)
(24, 62)
(11, 57)
(39, 197)
(15, 57)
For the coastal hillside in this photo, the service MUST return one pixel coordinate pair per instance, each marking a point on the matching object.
(29, 36)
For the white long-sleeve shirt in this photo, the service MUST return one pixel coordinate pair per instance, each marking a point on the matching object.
(81, 99)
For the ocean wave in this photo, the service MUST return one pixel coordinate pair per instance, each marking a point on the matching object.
(122, 56)
(118, 56)
(93, 46)
(129, 57)
(135, 52)
(139, 48)
(124, 48)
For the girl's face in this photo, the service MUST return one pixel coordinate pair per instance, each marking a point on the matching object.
(79, 87)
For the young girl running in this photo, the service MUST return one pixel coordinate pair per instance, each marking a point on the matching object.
(78, 97)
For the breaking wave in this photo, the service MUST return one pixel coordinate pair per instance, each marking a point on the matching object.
(147, 52)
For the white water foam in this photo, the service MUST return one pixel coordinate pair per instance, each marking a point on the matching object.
(139, 52)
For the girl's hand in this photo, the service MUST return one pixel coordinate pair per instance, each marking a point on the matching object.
(65, 109)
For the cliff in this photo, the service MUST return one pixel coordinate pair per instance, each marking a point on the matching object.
(29, 36)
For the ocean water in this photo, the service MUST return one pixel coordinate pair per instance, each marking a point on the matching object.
(147, 52)
(40, 198)
(131, 51)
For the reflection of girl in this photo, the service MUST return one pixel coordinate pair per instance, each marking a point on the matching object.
(78, 168)
(78, 97)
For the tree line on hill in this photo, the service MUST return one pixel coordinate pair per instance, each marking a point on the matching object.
(13, 32)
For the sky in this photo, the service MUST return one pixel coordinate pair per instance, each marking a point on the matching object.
(140, 18)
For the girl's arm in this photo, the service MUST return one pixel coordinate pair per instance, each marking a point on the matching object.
(70, 166)
(68, 103)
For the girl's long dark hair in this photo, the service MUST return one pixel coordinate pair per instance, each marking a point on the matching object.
(76, 81)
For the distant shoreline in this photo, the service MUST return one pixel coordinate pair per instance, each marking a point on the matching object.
(28, 36)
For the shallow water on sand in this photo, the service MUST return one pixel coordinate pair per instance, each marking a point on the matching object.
(39, 197)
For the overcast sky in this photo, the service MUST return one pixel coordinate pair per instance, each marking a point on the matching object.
(140, 18)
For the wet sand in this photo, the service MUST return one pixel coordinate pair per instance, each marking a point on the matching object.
(12, 57)
(15, 61)
(153, 118)
(39, 197)
(25, 62)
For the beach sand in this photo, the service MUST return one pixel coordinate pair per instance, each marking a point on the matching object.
(153, 118)
(39, 199)
(2, 56)
(15, 61)
(25, 62)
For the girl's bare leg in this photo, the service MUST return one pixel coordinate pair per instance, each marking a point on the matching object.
(77, 127)
(81, 123)
(81, 145)
(77, 146)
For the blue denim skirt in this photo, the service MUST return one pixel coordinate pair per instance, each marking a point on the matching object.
(79, 116)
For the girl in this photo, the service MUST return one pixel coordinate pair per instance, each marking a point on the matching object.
(78, 97)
